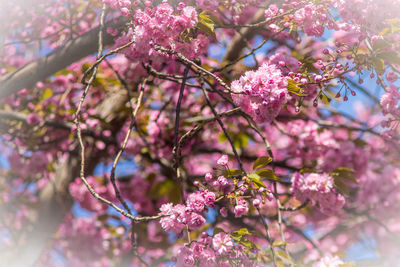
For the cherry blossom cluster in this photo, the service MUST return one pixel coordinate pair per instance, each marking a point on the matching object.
(85, 230)
(319, 189)
(181, 216)
(236, 188)
(261, 93)
(218, 250)
(123, 5)
(329, 261)
(312, 17)
(390, 102)
(390, 106)
(164, 25)
(359, 12)
(325, 147)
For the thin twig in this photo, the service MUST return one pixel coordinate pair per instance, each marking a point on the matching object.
(176, 133)
(100, 59)
(114, 166)
(303, 205)
(255, 25)
(276, 195)
(309, 240)
(190, 62)
(189, 134)
(251, 52)
(82, 146)
(222, 127)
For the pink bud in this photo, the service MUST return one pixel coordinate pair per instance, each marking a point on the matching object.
(256, 202)
(223, 160)
(208, 177)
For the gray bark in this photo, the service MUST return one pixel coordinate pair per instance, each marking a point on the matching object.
(40, 69)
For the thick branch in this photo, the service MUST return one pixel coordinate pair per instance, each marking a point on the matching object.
(38, 70)
(55, 198)
(239, 41)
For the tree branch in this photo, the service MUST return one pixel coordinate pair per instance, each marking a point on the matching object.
(38, 70)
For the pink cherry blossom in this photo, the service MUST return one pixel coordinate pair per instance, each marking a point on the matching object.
(261, 93)
(222, 243)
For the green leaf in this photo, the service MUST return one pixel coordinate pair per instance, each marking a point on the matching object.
(206, 24)
(342, 187)
(360, 143)
(233, 172)
(297, 93)
(50, 167)
(342, 176)
(324, 98)
(47, 94)
(218, 230)
(345, 174)
(102, 217)
(294, 87)
(394, 28)
(85, 66)
(380, 45)
(306, 170)
(222, 137)
(268, 174)
(379, 64)
(247, 243)
(262, 162)
(63, 72)
(281, 254)
(214, 18)
(99, 81)
(255, 178)
(391, 57)
(151, 177)
(187, 36)
(384, 31)
(174, 195)
(239, 140)
(279, 243)
(242, 140)
(240, 233)
(293, 27)
(161, 189)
